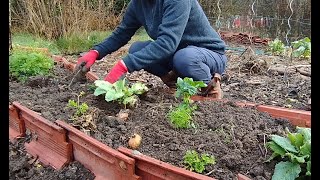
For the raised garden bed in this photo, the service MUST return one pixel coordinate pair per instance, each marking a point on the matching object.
(227, 131)
(22, 165)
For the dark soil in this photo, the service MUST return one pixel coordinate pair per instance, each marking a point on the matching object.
(23, 166)
(235, 136)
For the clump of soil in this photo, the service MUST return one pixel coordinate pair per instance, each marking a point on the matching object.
(236, 136)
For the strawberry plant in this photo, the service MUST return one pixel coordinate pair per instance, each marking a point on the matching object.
(187, 87)
(24, 64)
(302, 48)
(80, 109)
(181, 116)
(196, 163)
(120, 91)
(295, 151)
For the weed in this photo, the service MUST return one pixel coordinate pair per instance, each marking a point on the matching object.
(196, 163)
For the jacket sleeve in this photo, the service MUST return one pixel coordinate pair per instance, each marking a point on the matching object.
(122, 34)
(174, 21)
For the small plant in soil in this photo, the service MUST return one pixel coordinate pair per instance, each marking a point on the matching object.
(295, 151)
(120, 91)
(197, 163)
(181, 116)
(80, 109)
(82, 117)
(24, 64)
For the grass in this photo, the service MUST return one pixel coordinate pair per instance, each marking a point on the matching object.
(72, 44)
(29, 40)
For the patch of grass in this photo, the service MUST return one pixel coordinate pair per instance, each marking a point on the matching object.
(29, 40)
(80, 42)
(72, 44)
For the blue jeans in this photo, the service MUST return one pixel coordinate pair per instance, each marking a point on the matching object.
(198, 63)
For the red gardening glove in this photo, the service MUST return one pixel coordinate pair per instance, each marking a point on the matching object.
(117, 72)
(87, 60)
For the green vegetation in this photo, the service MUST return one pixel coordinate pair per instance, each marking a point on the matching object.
(276, 47)
(80, 109)
(299, 49)
(181, 116)
(196, 163)
(295, 151)
(80, 42)
(29, 40)
(302, 48)
(120, 91)
(72, 44)
(26, 63)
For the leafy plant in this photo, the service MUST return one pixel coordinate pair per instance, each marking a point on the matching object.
(24, 64)
(187, 87)
(295, 150)
(181, 116)
(196, 163)
(302, 48)
(120, 91)
(81, 109)
(276, 47)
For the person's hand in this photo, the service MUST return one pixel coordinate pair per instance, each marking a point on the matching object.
(87, 60)
(117, 72)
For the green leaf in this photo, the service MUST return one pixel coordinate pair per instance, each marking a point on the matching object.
(305, 149)
(103, 84)
(199, 167)
(277, 150)
(306, 132)
(284, 143)
(296, 159)
(138, 88)
(120, 85)
(98, 91)
(296, 139)
(308, 173)
(112, 95)
(130, 100)
(286, 171)
(207, 159)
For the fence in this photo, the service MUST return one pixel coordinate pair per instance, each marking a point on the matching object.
(287, 20)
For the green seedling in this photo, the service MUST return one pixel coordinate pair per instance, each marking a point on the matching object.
(187, 87)
(24, 64)
(80, 109)
(196, 163)
(120, 91)
(295, 151)
(181, 116)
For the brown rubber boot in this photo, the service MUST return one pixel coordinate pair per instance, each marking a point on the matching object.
(214, 88)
